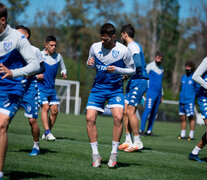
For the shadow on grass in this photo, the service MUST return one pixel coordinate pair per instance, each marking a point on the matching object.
(42, 151)
(22, 175)
(204, 159)
(120, 164)
(66, 138)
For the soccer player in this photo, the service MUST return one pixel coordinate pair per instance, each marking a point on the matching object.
(109, 57)
(154, 93)
(17, 59)
(187, 100)
(200, 76)
(46, 83)
(30, 98)
(136, 88)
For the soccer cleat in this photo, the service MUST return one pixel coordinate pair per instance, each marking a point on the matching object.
(113, 160)
(190, 139)
(194, 158)
(124, 145)
(50, 137)
(135, 147)
(43, 136)
(96, 160)
(142, 133)
(34, 152)
(180, 137)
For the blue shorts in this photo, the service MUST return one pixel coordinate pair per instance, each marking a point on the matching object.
(186, 109)
(97, 100)
(30, 104)
(9, 104)
(48, 96)
(202, 102)
(134, 91)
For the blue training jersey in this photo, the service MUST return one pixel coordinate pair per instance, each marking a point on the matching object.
(155, 74)
(17, 55)
(188, 89)
(141, 72)
(52, 64)
(118, 56)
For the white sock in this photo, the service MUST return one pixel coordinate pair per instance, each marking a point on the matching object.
(36, 145)
(128, 138)
(1, 174)
(114, 147)
(191, 134)
(182, 134)
(196, 150)
(136, 139)
(94, 147)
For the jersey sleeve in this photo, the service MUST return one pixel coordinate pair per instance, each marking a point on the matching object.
(62, 66)
(27, 53)
(197, 76)
(130, 66)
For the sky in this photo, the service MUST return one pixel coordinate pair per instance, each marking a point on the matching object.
(58, 5)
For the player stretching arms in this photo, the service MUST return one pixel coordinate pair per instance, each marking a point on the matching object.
(136, 88)
(30, 101)
(200, 76)
(46, 84)
(17, 59)
(109, 57)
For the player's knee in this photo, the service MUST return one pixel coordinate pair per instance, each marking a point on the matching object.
(91, 119)
(32, 121)
(45, 108)
(3, 126)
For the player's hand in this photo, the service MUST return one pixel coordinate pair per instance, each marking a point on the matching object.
(110, 69)
(64, 76)
(161, 99)
(40, 76)
(125, 77)
(91, 62)
(6, 71)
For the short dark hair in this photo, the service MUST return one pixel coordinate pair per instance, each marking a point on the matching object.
(129, 29)
(25, 29)
(3, 11)
(50, 38)
(109, 29)
(190, 64)
(159, 53)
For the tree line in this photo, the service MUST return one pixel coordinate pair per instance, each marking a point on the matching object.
(158, 27)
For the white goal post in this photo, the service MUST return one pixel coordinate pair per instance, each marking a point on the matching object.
(67, 92)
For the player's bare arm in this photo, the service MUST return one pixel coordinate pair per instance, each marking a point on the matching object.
(6, 71)
(91, 62)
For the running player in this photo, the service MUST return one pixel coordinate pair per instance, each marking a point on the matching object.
(154, 93)
(109, 57)
(17, 55)
(30, 99)
(136, 88)
(46, 83)
(200, 76)
(187, 101)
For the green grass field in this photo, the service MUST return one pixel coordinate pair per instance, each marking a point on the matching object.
(69, 157)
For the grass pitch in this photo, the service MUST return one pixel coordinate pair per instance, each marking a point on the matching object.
(69, 157)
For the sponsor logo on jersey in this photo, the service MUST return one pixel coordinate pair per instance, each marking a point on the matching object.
(100, 53)
(100, 67)
(118, 98)
(29, 108)
(7, 46)
(115, 53)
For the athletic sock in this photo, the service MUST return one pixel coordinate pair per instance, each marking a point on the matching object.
(36, 145)
(114, 147)
(47, 131)
(136, 139)
(182, 134)
(128, 138)
(191, 134)
(196, 150)
(1, 174)
(94, 147)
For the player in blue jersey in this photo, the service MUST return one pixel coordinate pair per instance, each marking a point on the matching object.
(200, 76)
(187, 101)
(136, 88)
(17, 59)
(30, 99)
(46, 83)
(111, 60)
(154, 93)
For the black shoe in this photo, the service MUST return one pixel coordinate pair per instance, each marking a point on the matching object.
(142, 133)
(180, 137)
(149, 134)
